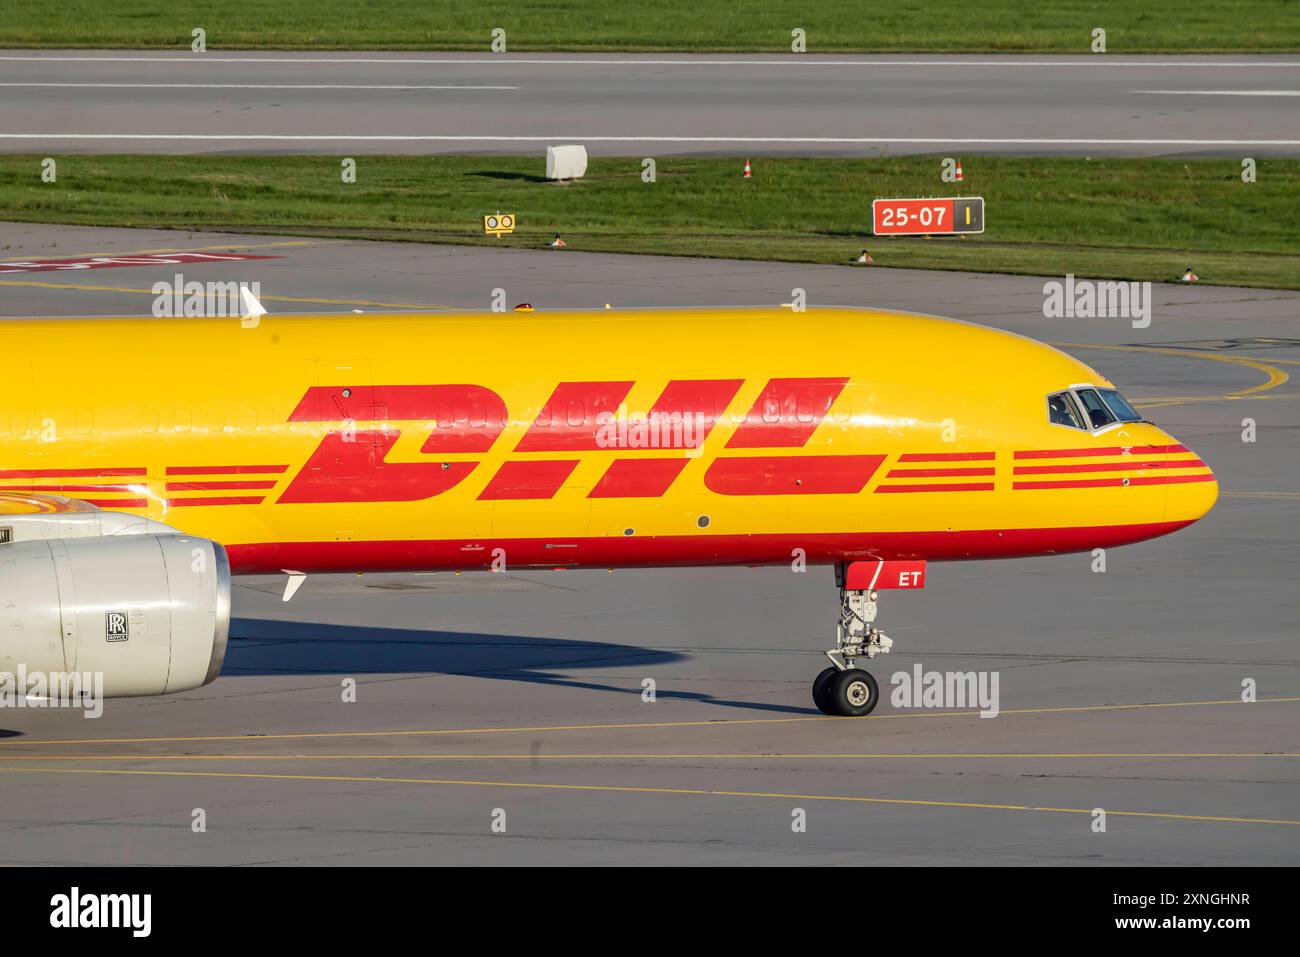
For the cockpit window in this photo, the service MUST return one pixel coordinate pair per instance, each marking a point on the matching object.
(1119, 405)
(1089, 408)
(1061, 410)
(1098, 415)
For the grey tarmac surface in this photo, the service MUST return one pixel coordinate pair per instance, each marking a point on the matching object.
(523, 692)
(648, 105)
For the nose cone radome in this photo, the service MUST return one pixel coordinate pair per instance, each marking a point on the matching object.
(1191, 501)
(1192, 491)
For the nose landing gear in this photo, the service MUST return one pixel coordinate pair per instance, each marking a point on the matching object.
(843, 689)
(850, 693)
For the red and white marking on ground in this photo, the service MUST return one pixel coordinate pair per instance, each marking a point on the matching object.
(111, 262)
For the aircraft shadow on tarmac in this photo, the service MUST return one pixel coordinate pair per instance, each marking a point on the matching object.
(269, 647)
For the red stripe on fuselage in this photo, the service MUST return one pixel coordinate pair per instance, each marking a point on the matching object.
(528, 480)
(638, 478)
(216, 486)
(1110, 450)
(947, 457)
(68, 473)
(937, 473)
(67, 488)
(226, 469)
(792, 474)
(687, 550)
(217, 500)
(939, 487)
(1114, 482)
(1108, 467)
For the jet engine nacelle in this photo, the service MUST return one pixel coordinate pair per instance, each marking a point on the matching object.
(151, 612)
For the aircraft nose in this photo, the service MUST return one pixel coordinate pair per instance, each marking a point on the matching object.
(1191, 493)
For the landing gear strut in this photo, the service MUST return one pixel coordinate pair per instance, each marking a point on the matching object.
(843, 689)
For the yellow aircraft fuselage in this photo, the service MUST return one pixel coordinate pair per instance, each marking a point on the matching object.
(754, 436)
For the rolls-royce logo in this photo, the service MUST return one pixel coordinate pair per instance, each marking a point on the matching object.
(115, 626)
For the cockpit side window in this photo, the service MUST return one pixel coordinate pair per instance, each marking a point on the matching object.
(1094, 408)
(1119, 405)
(1061, 410)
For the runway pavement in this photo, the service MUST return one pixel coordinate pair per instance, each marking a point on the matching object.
(648, 105)
(522, 694)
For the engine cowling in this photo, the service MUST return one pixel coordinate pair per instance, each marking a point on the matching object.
(151, 612)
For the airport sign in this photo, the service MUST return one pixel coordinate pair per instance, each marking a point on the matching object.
(929, 217)
(495, 224)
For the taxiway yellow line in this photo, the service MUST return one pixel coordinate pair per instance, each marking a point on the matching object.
(723, 723)
(627, 789)
(1274, 376)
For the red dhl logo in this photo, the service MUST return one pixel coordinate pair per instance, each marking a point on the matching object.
(351, 465)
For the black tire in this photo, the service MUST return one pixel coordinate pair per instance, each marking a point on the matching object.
(821, 695)
(853, 693)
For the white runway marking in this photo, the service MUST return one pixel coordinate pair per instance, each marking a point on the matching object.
(797, 60)
(259, 86)
(1222, 92)
(453, 138)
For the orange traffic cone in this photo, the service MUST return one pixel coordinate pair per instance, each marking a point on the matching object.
(558, 243)
(748, 174)
(959, 176)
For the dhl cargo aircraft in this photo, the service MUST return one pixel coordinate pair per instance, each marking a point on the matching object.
(145, 461)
